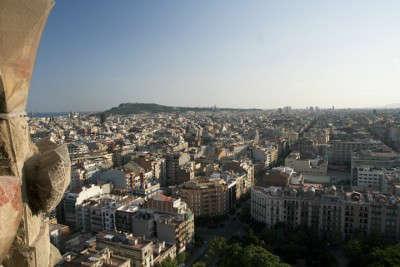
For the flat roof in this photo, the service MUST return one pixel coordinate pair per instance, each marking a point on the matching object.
(317, 179)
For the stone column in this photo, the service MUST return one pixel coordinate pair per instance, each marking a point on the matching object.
(38, 174)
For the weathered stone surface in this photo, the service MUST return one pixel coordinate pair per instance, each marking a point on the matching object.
(21, 25)
(55, 256)
(10, 211)
(47, 176)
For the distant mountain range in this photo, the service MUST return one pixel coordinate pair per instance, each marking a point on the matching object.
(136, 108)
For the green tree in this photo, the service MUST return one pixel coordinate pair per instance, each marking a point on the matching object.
(354, 248)
(385, 257)
(300, 243)
(222, 254)
(199, 264)
(232, 256)
(216, 248)
(168, 262)
(181, 257)
(258, 256)
(217, 245)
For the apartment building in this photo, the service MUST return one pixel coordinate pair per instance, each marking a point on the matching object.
(342, 150)
(141, 252)
(174, 174)
(205, 197)
(267, 155)
(382, 158)
(331, 213)
(177, 230)
(66, 210)
(172, 228)
(279, 176)
(97, 214)
(163, 203)
(375, 178)
(316, 166)
(88, 258)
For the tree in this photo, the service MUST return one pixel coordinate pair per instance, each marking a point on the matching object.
(252, 239)
(232, 256)
(385, 257)
(361, 251)
(300, 243)
(354, 248)
(222, 254)
(199, 264)
(168, 262)
(181, 257)
(216, 248)
(258, 256)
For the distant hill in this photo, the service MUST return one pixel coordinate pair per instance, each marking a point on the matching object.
(136, 108)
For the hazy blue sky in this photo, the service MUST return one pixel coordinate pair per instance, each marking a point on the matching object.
(96, 54)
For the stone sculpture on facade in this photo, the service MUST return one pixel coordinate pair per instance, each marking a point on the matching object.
(33, 178)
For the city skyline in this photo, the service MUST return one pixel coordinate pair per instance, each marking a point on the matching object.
(229, 54)
(213, 133)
